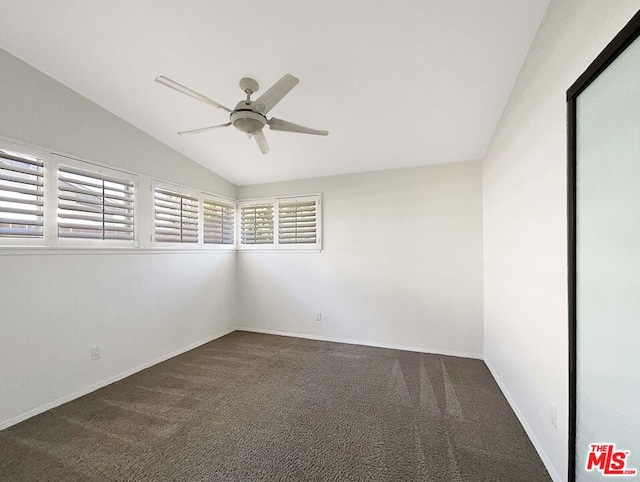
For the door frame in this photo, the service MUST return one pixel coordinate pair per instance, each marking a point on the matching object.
(610, 53)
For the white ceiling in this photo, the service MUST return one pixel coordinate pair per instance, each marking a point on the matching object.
(396, 83)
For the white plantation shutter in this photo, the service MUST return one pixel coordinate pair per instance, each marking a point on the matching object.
(176, 216)
(256, 223)
(94, 206)
(21, 195)
(219, 222)
(297, 221)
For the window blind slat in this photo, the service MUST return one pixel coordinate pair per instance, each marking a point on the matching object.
(21, 190)
(170, 193)
(176, 225)
(298, 241)
(98, 226)
(126, 196)
(23, 210)
(123, 211)
(295, 231)
(91, 176)
(21, 232)
(4, 176)
(178, 232)
(4, 155)
(168, 222)
(97, 235)
(161, 203)
(8, 199)
(305, 223)
(89, 217)
(23, 221)
(93, 199)
(178, 207)
(120, 237)
(31, 170)
(163, 214)
(69, 183)
(227, 230)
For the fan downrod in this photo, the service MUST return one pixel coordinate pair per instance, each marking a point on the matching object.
(249, 86)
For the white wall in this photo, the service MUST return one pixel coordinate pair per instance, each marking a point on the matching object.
(401, 262)
(39, 110)
(139, 306)
(525, 231)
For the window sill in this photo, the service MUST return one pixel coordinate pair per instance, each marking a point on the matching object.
(279, 250)
(77, 250)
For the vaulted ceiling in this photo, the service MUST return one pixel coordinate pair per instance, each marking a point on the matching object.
(396, 83)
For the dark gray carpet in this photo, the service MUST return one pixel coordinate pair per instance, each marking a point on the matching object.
(260, 407)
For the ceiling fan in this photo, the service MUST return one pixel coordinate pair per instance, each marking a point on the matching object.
(250, 116)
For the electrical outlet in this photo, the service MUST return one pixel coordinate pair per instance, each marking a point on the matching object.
(318, 316)
(553, 415)
(96, 352)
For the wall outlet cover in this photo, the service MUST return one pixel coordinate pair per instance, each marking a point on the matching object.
(96, 352)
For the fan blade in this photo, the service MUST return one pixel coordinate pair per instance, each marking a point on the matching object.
(192, 93)
(281, 125)
(203, 129)
(276, 92)
(262, 142)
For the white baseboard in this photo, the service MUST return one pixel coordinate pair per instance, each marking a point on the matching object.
(108, 381)
(351, 341)
(553, 473)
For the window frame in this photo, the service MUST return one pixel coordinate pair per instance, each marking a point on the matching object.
(59, 160)
(181, 190)
(317, 246)
(253, 202)
(204, 197)
(276, 245)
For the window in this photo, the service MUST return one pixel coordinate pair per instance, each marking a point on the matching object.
(218, 221)
(176, 216)
(257, 224)
(21, 196)
(52, 200)
(94, 206)
(297, 220)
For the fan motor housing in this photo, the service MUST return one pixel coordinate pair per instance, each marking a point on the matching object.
(247, 120)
